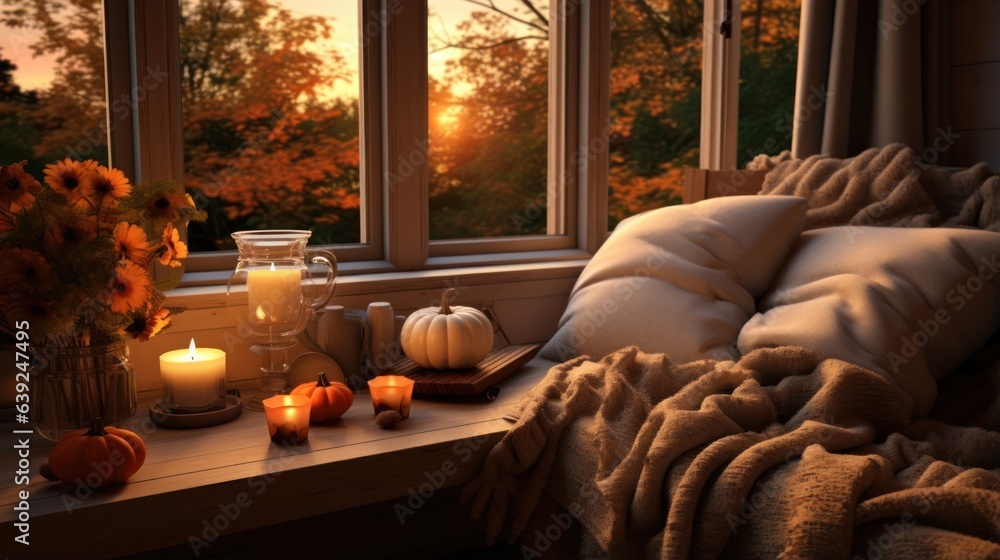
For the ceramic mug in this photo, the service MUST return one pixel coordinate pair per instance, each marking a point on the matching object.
(383, 349)
(342, 333)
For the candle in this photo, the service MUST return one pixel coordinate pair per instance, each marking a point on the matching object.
(288, 418)
(194, 380)
(275, 295)
(391, 392)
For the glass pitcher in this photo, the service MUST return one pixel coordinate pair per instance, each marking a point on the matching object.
(282, 295)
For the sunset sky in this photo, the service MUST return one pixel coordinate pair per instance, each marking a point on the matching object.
(36, 72)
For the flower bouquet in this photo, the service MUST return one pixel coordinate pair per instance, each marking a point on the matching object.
(76, 279)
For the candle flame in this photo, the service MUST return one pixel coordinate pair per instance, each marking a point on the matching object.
(191, 350)
(259, 313)
(272, 267)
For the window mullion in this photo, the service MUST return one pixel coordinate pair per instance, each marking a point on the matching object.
(720, 86)
(590, 154)
(118, 84)
(404, 133)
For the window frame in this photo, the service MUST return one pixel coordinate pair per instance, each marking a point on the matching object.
(395, 218)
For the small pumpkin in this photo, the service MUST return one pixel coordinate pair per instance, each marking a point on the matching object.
(329, 400)
(447, 337)
(96, 457)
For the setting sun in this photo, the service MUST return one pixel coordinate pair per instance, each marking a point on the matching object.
(449, 116)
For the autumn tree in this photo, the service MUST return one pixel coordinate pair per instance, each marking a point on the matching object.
(19, 133)
(69, 118)
(263, 146)
(488, 147)
(261, 143)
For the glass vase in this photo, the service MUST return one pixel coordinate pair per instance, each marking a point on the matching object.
(72, 385)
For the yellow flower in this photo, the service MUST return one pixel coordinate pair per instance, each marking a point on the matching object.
(131, 243)
(144, 327)
(167, 205)
(129, 288)
(17, 188)
(173, 247)
(23, 271)
(66, 177)
(105, 186)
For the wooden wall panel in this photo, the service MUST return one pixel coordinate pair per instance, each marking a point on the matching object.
(975, 91)
(974, 146)
(975, 82)
(976, 39)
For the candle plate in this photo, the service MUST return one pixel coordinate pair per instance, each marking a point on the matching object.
(159, 414)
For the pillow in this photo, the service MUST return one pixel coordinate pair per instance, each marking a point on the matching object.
(912, 303)
(680, 280)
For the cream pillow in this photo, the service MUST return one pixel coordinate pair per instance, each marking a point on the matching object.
(912, 303)
(681, 280)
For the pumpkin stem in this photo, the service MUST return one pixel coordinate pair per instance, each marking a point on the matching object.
(323, 381)
(445, 310)
(97, 427)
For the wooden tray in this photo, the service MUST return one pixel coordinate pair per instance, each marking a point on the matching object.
(500, 363)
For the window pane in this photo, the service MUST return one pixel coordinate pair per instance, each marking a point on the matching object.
(270, 102)
(655, 114)
(768, 58)
(53, 103)
(488, 118)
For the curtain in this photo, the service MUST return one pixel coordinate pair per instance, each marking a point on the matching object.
(869, 74)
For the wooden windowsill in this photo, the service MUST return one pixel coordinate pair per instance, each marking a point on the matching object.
(191, 476)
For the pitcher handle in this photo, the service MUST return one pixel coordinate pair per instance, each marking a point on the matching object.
(326, 258)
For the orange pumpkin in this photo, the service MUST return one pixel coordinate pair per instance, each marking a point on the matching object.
(329, 400)
(100, 456)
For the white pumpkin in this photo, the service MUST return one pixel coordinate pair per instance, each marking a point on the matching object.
(447, 337)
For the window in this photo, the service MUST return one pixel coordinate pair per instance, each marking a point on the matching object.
(271, 118)
(488, 95)
(407, 134)
(53, 102)
(655, 93)
(768, 58)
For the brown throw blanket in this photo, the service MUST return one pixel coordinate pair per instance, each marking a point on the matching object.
(781, 455)
(887, 186)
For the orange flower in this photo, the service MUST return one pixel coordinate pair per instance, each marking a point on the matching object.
(173, 247)
(131, 243)
(24, 271)
(66, 177)
(167, 205)
(41, 315)
(17, 188)
(144, 327)
(105, 186)
(67, 230)
(129, 289)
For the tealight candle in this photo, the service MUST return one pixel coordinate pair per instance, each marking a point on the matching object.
(391, 392)
(274, 295)
(288, 418)
(194, 380)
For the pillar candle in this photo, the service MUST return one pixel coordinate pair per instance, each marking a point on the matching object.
(194, 379)
(274, 295)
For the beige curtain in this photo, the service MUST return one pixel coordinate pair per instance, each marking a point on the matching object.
(869, 74)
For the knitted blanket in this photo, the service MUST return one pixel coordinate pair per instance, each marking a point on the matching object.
(888, 186)
(781, 455)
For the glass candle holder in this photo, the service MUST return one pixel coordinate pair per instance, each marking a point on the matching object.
(288, 418)
(281, 296)
(194, 379)
(391, 392)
